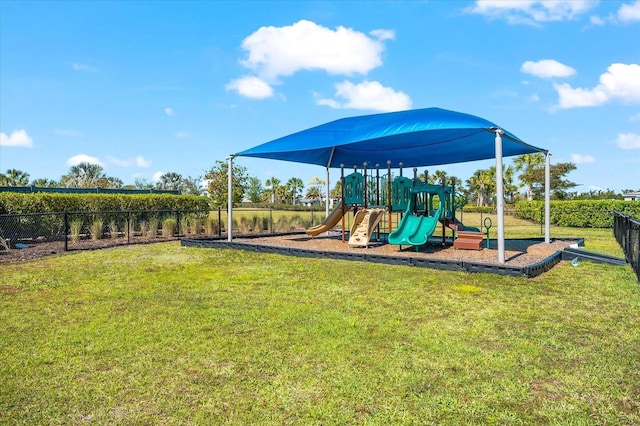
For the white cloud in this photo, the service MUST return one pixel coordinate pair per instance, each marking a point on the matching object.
(156, 176)
(582, 159)
(629, 12)
(305, 45)
(142, 162)
(18, 138)
(251, 87)
(183, 135)
(168, 111)
(628, 141)
(384, 34)
(138, 161)
(369, 95)
(597, 21)
(83, 67)
(532, 12)
(83, 158)
(635, 117)
(547, 68)
(620, 82)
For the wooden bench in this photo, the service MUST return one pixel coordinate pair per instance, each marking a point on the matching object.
(468, 240)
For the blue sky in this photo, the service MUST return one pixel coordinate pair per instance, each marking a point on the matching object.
(145, 87)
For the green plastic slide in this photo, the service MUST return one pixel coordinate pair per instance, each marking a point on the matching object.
(415, 230)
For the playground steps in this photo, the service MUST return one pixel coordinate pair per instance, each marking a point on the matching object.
(468, 240)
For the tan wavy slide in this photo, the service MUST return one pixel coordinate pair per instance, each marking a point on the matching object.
(329, 222)
(363, 225)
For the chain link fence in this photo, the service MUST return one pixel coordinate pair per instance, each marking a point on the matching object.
(627, 232)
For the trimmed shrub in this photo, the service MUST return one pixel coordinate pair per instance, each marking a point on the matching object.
(578, 213)
(18, 203)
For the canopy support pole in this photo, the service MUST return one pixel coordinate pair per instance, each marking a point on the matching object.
(499, 195)
(230, 198)
(547, 198)
(333, 151)
(327, 191)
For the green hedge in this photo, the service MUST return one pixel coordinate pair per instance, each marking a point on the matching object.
(578, 213)
(477, 209)
(16, 203)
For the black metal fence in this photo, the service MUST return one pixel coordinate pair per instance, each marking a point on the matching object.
(84, 230)
(80, 230)
(627, 232)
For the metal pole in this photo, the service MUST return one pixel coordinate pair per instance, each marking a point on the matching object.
(547, 198)
(230, 198)
(378, 185)
(500, 195)
(389, 200)
(66, 230)
(327, 194)
(364, 174)
(342, 194)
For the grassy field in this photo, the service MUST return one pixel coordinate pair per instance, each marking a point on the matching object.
(163, 334)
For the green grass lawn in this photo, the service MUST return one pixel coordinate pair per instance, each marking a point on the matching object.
(163, 334)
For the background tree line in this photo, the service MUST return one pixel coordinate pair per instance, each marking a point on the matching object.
(523, 180)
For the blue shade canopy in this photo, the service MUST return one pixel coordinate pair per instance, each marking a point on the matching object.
(419, 137)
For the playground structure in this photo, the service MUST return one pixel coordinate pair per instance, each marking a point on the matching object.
(422, 207)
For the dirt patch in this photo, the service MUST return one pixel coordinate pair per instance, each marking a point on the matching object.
(38, 250)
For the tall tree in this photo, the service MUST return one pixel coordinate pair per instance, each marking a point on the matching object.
(294, 187)
(254, 189)
(83, 175)
(437, 176)
(315, 189)
(142, 183)
(191, 186)
(44, 183)
(526, 164)
(14, 177)
(218, 185)
(482, 185)
(170, 181)
(110, 182)
(510, 188)
(336, 191)
(531, 167)
(273, 183)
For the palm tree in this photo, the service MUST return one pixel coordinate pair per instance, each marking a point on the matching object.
(170, 181)
(316, 185)
(83, 175)
(14, 177)
(437, 176)
(294, 187)
(509, 187)
(273, 183)
(525, 164)
(482, 183)
(44, 183)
